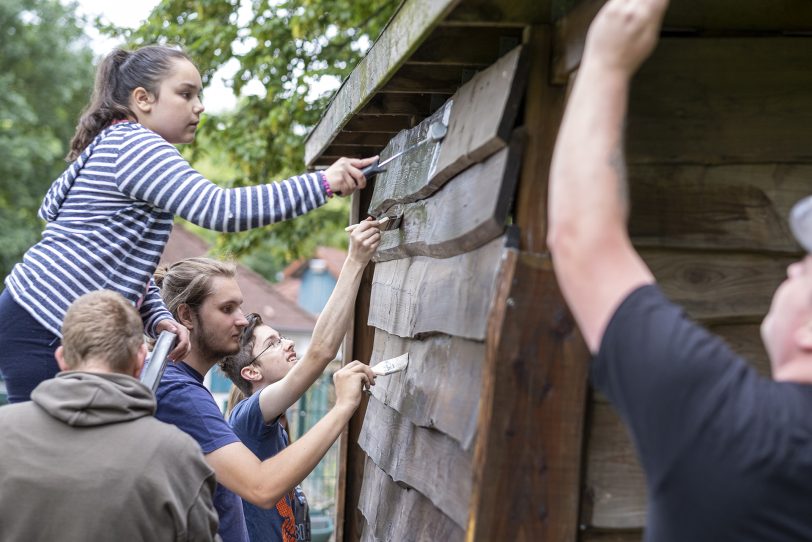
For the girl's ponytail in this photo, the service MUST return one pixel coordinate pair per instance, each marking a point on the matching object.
(104, 107)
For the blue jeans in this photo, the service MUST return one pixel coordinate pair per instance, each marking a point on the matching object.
(26, 350)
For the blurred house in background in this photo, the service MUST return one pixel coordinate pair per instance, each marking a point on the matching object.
(309, 282)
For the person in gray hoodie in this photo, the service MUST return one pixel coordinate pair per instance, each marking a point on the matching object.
(85, 459)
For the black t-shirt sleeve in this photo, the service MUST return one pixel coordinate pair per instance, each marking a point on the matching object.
(666, 376)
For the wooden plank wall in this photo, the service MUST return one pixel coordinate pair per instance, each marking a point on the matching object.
(718, 136)
(481, 438)
(434, 282)
(528, 452)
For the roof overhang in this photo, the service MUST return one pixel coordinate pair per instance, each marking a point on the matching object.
(432, 47)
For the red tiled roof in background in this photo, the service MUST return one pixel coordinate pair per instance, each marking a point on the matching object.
(289, 287)
(290, 284)
(333, 258)
(260, 296)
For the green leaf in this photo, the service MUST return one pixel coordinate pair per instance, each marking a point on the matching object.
(46, 76)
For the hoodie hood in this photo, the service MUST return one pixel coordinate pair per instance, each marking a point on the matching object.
(49, 210)
(82, 399)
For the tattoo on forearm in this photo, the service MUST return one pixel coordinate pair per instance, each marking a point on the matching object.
(617, 162)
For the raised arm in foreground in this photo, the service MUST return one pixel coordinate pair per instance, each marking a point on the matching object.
(594, 261)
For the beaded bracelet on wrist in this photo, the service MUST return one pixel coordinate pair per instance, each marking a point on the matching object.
(325, 184)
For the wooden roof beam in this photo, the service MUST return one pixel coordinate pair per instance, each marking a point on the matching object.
(363, 139)
(729, 17)
(352, 145)
(569, 39)
(483, 45)
(380, 123)
(434, 79)
(350, 151)
(408, 28)
(502, 13)
(406, 103)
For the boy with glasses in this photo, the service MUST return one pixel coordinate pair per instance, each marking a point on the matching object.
(267, 371)
(204, 296)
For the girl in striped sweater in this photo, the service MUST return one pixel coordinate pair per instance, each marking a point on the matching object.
(109, 215)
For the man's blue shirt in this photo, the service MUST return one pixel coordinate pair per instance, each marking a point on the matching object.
(185, 402)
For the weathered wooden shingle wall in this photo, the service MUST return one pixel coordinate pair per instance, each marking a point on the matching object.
(719, 135)
(431, 294)
(718, 147)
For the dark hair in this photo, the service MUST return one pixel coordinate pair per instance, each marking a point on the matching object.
(188, 282)
(117, 75)
(232, 365)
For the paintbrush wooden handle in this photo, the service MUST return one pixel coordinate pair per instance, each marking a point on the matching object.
(392, 365)
(381, 222)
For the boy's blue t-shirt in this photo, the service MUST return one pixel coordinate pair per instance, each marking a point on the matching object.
(185, 402)
(289, 519)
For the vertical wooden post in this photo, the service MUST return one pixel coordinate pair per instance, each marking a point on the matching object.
(346, 356)
(527, 459)
(358, 345)
(544, 107)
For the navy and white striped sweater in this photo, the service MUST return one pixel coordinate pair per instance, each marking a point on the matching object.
(109, 216)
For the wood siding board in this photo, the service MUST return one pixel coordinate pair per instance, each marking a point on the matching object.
(570, 38)
(501, 13)
(737, 206)
(718, 287)
(480, 119)
(743, 15)
(615, 483)
(484, 115)
(421, 295)
(469, 211)
(593, 535)
(423, 459)
(405, 178)
(392, 513)
(421, 78)
(393, 103)
(349, 489)
(367, 535)
(350, 151)
(748, 97)
(528, 448)
(482, 46)
(388, 124)
(435, 389)
(410, 25)
(750, 16)
(363, 139)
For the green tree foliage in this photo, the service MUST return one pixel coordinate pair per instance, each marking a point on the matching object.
(287, 46)
(46, 75)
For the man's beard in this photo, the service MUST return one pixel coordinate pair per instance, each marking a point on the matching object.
(203, 342)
